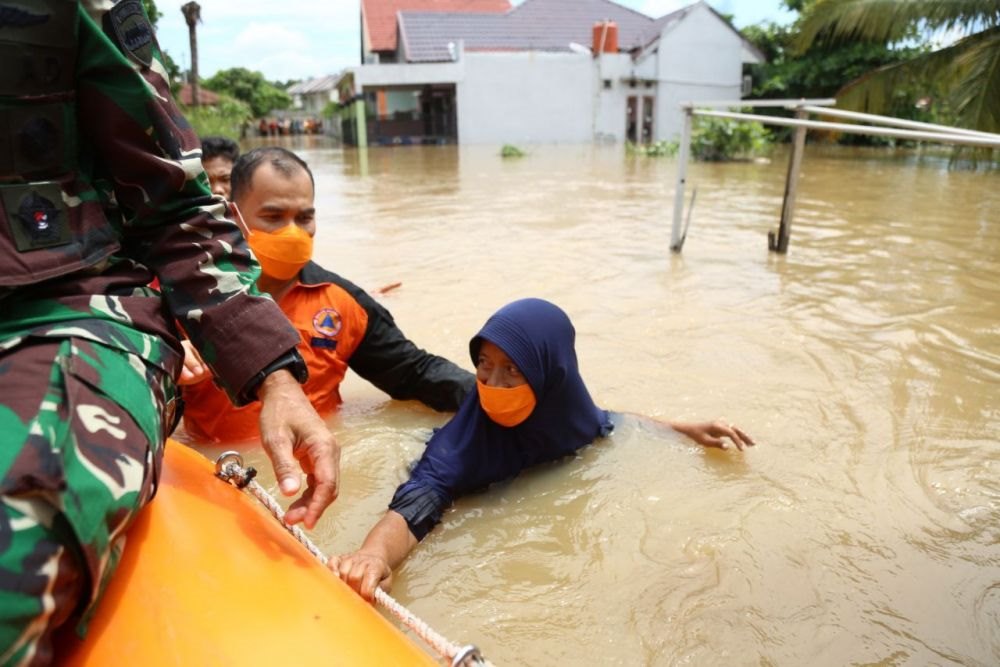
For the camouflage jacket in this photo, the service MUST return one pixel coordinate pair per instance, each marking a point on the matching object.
(102, 189)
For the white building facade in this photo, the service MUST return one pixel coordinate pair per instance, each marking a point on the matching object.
(568, 95)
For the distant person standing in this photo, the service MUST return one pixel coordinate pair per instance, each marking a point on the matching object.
(218, 155)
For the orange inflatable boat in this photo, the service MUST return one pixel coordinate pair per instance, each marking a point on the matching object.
(208, 578)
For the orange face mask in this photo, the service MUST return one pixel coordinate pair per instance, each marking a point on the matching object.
(283, 253)
(507, 406)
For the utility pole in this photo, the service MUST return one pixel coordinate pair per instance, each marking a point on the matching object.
(192, 14)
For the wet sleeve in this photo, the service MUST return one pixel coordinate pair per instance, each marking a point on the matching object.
(420, 505)
(394, 364)
(133, 134)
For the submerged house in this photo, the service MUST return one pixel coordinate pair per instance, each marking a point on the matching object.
(313, 95)
(567, 71)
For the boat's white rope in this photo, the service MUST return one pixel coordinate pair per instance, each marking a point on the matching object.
(229, 467)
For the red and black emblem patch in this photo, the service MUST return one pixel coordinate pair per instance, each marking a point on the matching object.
(133, 30)
(37, 216)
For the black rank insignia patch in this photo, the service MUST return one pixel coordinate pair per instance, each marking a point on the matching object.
(133, 31)
(36, 219)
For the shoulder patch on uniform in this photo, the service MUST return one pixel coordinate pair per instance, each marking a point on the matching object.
(133, 30)
(328, 322)
(37, 216)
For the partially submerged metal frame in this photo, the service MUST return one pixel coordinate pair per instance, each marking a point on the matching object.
(890, 127)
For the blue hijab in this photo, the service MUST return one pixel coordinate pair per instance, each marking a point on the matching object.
(472, 451)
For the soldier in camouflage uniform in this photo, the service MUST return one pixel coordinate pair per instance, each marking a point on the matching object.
(101, 190)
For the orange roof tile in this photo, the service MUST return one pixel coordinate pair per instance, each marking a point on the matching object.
(205, 97)
(379, 16)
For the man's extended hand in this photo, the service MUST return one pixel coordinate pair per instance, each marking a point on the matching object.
(291, 431)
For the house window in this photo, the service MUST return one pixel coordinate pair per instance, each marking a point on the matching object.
(607, 84)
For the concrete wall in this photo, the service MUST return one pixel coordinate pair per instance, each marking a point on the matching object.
(525, 98)
(700, 58)
(609, 111)
(406, 74)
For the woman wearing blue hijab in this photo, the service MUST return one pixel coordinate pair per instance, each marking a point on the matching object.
(530, 406)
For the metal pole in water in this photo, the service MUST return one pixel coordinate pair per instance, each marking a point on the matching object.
(361, 122)
(780, 243)
(676, 240)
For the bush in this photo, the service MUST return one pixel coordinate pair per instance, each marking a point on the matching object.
(228, 118)
(509, 150)
(659, 149)
(719, 139)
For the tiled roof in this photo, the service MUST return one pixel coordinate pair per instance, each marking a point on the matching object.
(426, 36)
(318, 85)
(379, 16)
(205, 97)
(537, 25)
(560, 22)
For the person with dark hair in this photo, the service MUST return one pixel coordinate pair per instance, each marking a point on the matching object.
(218, 154)
(530, 406)
(340, 326)
(101, 189)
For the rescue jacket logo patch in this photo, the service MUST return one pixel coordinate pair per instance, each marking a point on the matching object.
(133, 31)
(41, 224)
(15, 17)
(328, 322)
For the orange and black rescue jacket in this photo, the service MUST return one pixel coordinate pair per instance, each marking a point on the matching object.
(340, 327)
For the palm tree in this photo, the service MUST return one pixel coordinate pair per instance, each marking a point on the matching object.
(192, 14)
(967, 69)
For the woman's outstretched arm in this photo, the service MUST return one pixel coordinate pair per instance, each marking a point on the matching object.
(713, 434)
(387, 545)
(718, 433)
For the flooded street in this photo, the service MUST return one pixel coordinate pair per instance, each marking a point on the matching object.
(863, 529)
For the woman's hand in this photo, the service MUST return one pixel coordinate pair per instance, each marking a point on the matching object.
(195, 370)
(385, 548)
(713, 434)
(364, 572)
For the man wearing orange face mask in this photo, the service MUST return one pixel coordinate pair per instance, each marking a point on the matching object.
(340, 326)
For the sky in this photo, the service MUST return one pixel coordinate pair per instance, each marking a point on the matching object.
(300, 39)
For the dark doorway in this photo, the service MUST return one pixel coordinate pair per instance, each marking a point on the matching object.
(631, 119)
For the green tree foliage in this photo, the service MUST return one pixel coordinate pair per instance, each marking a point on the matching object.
(822, 70)
(262, 96)
(152, 11)
(229, 118)
(966, 70)
(154, 14)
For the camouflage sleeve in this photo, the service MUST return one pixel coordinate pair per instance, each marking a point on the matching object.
(134, 134)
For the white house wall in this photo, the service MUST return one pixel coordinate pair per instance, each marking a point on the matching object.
(609, 110)
(525, 98)
(408, 74)
(699, 58)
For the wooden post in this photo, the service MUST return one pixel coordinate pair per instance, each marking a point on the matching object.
(779, 244)
(676, 241)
